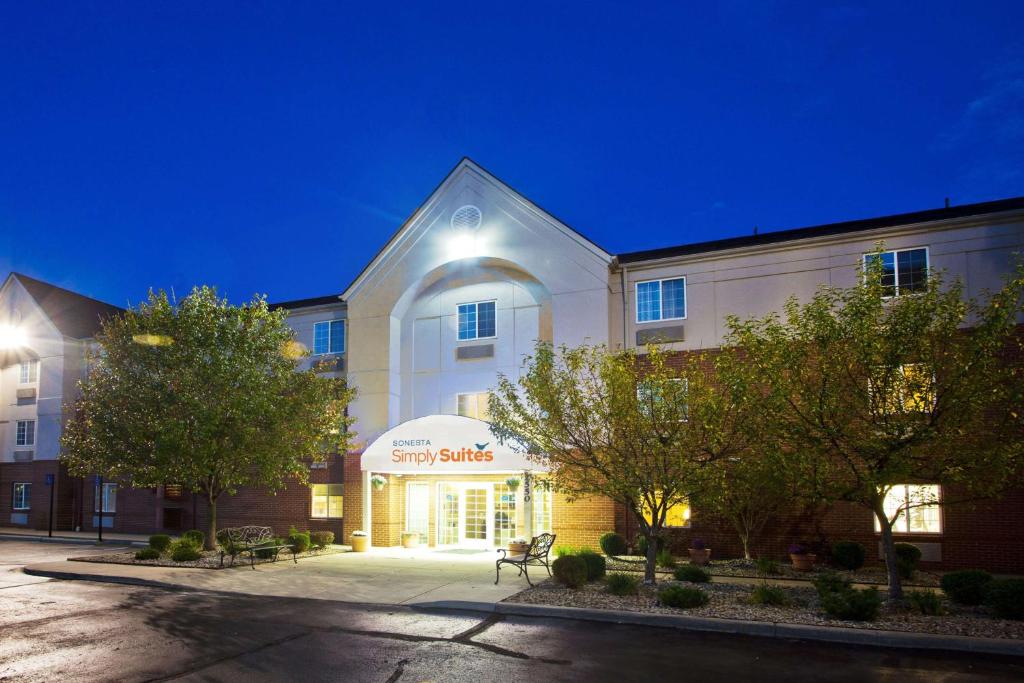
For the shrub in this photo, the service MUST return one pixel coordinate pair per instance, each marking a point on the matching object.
(596, 564)
(268, 553)
(321, 539)
(613, 544)
(147, 554)
(827, 583)
(925, 602)
(852, 604)
(185, 550)
(197, 536)
(570, 570)
(848, 555)
(1006, 598)
(566, 550)
(907, 557)
(691, 573)
(766, 594)
(641, 545)
(622, 584)
(299, 540)
(160, 542)
(767, 566)
(966, 587)
(665, 559)
(682, 597)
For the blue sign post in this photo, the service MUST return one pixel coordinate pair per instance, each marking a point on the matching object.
(50, 483)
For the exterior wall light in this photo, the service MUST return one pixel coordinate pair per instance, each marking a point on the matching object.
(12, 337)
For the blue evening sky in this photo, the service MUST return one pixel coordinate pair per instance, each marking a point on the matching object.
(274, 146)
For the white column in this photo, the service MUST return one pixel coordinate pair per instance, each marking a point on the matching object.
(368, 507)
(527, 506)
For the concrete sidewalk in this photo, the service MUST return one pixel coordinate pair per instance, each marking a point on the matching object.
(84, 537)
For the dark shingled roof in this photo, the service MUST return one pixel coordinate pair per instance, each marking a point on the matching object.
(306, 303)
(963, 211)
(74, 315)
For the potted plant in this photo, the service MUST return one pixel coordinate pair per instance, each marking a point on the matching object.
(377, 482)
(360, 541)
(410, 539)
(512, 483)
(700, 553)
(801, 557)
(518, 546)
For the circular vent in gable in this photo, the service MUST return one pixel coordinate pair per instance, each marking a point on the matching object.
(466, 217)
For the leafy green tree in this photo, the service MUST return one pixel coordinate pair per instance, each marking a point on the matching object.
(864, 391)
(638, 428)
(204, 394)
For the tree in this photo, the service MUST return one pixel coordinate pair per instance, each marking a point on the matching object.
(865, 391)
(624, 425)
(204, 394)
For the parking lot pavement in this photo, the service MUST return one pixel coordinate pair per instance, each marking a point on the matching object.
(16, 554)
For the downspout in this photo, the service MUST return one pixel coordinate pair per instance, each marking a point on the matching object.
(625, 305)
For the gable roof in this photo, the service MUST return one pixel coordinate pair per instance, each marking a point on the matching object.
(330, 299)
(75, 315)
(828, 229)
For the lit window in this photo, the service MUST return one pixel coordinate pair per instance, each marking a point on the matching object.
(677, 516)
(674, 390)
(109, 498)
(915, 509)
(22, 498)
(25, 434)
(903, 271)
(661, 300)
(542, 504)
(474, 405)
(29, 372)
(477, 320)
(329, 337)
(908, 388)
(327, 500)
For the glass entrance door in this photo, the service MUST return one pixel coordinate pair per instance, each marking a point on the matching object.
(465, 514)
(475, 520)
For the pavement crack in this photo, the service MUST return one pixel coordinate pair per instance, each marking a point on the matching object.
(479, 628)
(399, 670)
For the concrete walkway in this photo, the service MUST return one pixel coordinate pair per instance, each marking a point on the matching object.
(17, 533)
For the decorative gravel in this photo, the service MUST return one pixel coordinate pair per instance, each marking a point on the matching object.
(210, 559)
(731, 601)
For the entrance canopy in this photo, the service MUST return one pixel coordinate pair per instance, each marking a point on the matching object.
(442, 444)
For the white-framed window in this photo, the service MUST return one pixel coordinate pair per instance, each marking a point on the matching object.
(328, 501)
(417, 509)
(914, 507)
(909, 389)
(477, 320)
(328, 337)
(28, 372)
(661, 300)
(25, 433)
(22, 496)
(108, 497)
(474, 405)
(543, 498)
(904, 271)
(675, 389)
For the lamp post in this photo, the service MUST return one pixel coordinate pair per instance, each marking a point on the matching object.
(51, 484)
(99, 493)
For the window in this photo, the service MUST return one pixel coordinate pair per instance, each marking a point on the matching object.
(909, 389)
(661, 300)
(474, 405)
(329, 337)
(903, 272)
(22, 498)
(417, 510)
(327, 500)
(915, 507)
(25, 434)
(477, 320)
(542, 502)
(674, 391)
(109, 498)
(677, 516)
(29, 372)
(505, 518)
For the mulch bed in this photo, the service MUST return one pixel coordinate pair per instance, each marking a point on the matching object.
(210, 559)
(731, 601)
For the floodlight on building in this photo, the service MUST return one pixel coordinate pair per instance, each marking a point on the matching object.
(12, 337)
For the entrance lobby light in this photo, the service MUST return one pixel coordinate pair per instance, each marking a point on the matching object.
(463, 244)
(12, 337)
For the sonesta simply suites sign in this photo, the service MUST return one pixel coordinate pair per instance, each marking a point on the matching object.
(440, 444)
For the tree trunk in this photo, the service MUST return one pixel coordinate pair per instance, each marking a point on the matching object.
(211, 535)
(889, 548)
(652, 559)
(745, 540)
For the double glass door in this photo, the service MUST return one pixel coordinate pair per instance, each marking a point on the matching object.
(475, 514)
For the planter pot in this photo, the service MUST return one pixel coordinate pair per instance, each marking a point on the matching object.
(803, 563)
(700, 556)
(360, 544)
(518, 548)
(410, 540)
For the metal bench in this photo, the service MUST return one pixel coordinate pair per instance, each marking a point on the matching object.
(251, 540)
(536, 555)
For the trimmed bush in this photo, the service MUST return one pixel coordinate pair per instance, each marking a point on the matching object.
(1006, 598)
(691, 573)
(269, 553)
(160, 542)
(622, 584)
(766, 594)
(197, 536)
(827, 583)
(966, 587)
(852, 604)
(848, 555)
(299, 540)
(925, 602)
(665, 559)
(682, 597)
(570, 570)
(566, 550)
(767, 566)
(907, 557)
(596, 564)
(641, 545)
(185, 550)
(147, 554)
(613, 544)
(321, 539)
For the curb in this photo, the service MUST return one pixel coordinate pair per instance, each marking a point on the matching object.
(761, 629)
(68, 539)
